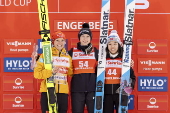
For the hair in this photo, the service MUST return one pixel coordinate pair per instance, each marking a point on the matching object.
(120, 50)
(85, 30)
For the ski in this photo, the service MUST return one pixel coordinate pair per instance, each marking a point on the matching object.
(127, 49)
(104, 28)
(47, 52)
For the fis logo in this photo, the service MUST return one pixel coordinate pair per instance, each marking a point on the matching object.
(142, 4)
(152, 83)
(40, 46)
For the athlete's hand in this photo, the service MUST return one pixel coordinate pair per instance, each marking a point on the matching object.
(55, 70)
(132, 63)
(128, 90)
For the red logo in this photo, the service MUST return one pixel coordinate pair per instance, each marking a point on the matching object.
(76, 54)
(114, 63)
(152, 47)
(17, 83)
(152, 102)
(61, 60)
(17, 101)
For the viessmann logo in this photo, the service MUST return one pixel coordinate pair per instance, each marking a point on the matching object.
(152, 65)
(17, 43)
(152, 62)
(16, 46)
(142, 4)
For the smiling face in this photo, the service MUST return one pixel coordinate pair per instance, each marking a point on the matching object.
(59, 43)
(85, 39)
(113, 47)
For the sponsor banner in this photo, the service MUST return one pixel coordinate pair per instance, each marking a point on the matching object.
(152, 46)
(18, 83)
(25, 6)
(152, 65)
(40, 46)
(81, 55)
(30, 6)
(0, 46)
(17, 112)
(152, 6)
(74, 42)
(0, 65)
(18, 5)
(38, 101)
(17, 101)
(15, 46)
(153, 102)
(76, 25)
(18, 64)
(146, 83)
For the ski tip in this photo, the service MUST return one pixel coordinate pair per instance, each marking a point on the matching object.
(85, 25)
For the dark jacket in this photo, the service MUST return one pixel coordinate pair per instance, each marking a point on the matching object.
(84, 82)
(111, 88)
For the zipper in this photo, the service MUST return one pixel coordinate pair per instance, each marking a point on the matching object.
(58, 81)
(112, 88)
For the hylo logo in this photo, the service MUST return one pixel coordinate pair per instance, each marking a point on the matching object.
(151, 62)
(17, 63)
(152, 82)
